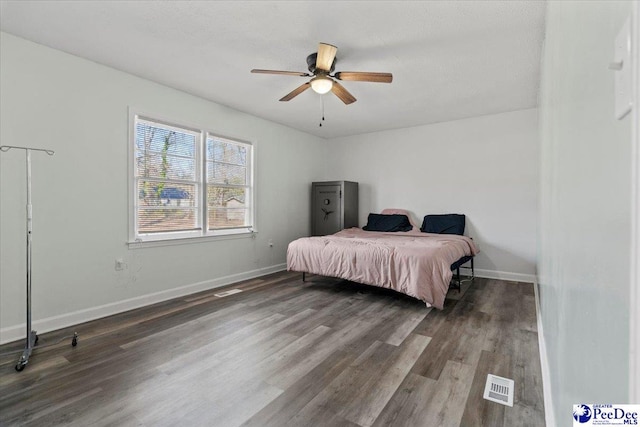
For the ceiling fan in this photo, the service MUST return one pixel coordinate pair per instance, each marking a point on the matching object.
(321, 65)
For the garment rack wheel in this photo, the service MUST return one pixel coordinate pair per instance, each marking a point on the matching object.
(26, 354)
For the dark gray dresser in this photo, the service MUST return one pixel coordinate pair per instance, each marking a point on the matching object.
(334, 206)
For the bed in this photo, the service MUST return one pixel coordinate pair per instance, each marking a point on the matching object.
(407, 260)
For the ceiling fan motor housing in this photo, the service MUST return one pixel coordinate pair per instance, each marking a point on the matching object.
(311, 63)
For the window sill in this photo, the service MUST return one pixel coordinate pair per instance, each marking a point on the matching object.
(136, 244)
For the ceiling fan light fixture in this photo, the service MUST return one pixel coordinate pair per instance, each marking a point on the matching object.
(321, 84)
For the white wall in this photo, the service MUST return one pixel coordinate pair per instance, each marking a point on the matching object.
(484, 167)
(585, 208)
(80, 109)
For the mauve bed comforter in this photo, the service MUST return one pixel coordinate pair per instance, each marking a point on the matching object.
(414, 263)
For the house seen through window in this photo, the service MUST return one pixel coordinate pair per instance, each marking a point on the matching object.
(189, 183)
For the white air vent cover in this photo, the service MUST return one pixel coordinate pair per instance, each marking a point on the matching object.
(227, 293)
(499, 390)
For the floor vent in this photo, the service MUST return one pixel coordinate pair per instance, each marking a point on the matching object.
(229, 292)
(499, 390)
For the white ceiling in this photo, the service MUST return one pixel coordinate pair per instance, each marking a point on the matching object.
(449, 59)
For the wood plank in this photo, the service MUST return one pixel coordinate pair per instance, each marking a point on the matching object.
(435, 319)
(303, 361)
(472, 335)
(524, 416)
(288, 404)
(527, 374)
(407, 326)
(373, 395)
(406, 405)
(442, 347)
(478, 411)
(444, 407)
(455, 294)
(41, 411)
(233, 344)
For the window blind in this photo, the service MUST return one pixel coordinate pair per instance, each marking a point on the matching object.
(166, 178)
(228, 168)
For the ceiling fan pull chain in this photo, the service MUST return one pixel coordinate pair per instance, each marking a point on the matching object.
(322, 109)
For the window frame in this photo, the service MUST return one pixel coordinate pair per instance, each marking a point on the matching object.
(203, 233)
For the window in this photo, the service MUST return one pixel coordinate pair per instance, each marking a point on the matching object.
(189, 183)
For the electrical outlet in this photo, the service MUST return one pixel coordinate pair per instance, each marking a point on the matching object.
(120, 264)
(270, 243)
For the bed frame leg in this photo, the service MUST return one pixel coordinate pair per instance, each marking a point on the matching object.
(303, 276)
(473, 272)
(458, 279)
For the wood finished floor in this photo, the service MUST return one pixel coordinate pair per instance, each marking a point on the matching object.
(287, 353)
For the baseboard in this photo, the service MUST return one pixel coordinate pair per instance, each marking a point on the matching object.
(16, 332)
(505, 275)
(549, 414)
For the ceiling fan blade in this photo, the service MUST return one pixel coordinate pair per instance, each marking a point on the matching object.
(326, 55)
(342, 93)
(358, 76)
(297, 91)
(286, 73)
